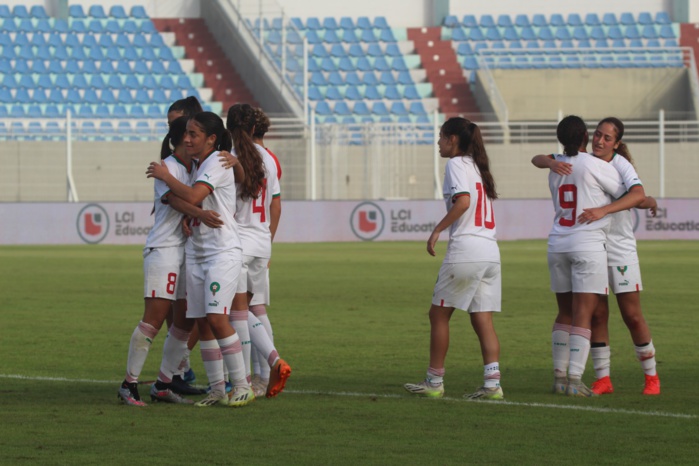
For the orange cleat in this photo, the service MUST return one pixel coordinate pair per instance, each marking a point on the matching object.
(652, 385)
(277, 378)
(603, 386)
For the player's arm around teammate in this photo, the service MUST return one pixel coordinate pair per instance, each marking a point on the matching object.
(469, 277)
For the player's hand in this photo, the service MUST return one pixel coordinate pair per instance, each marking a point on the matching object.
(211, 219)
(590, 215)
(227, 159)
(561, 168)
(431, 242)
(653, 205)
(186, 228)
(157, 170)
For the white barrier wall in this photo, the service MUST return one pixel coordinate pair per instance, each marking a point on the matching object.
(321, 221)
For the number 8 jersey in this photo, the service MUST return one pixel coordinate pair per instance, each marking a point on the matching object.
(472, 236)
(593, 183)
(253, 216)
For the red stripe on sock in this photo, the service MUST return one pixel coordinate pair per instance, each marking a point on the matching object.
(152, 294)
(441, 303)
(638, 288)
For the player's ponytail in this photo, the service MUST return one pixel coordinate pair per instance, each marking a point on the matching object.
(241, 124)
(622, 149)
(571, 133)
(174, 137)
(471, 144)
(262, 124)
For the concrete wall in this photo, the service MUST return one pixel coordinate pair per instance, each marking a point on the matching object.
(628, 93)
(36, 171)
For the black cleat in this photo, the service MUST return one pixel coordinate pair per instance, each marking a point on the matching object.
(181, 387)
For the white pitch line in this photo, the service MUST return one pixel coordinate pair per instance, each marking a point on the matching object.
(394, 396)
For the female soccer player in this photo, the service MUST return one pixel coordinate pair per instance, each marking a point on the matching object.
(576, 249)
(469, 278)
(623, 266)
(187, 107)
(258, 210)
(213, 257)
(163, 266)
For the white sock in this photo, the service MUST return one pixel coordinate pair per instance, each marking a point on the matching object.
(141, 339)
(491, 375)
(262, 342)
(435, 376)
(579, 351)
(184, 364)
(213, 362)
(173, 350)
(560, 337)
(646, 354)
(233, 359)
(255, 360)
(601, 360)
(239, 321)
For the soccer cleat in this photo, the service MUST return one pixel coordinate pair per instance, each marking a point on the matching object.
(425, 388)
(179, 386)
(168, 396)
(277, 378)
(128, 394)
(652, 385)
(229, 387)
(213, 398)
(241, 396)
(559, 385)
(603, 386)
(189, 376)
(259, 386)
(577, 388)
(486, 393)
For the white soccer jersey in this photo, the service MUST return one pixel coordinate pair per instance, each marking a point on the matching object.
(167, 231)
(207, 242)
(593, 183)
(472, 236)
(621, 242)
(253, 215)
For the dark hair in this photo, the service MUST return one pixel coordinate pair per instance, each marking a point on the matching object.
(189, 106)
(240, 123)
(572, 133)
(174, 137)
(622, 149)
(471, 144)
(211, 123)
(262, 124)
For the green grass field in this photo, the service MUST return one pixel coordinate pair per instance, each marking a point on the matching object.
(351, 319)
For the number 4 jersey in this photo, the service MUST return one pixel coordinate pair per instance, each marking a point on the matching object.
(593, 183)
(253, 215)
(472, 236)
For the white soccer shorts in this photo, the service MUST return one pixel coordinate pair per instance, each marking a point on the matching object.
(471, 286)
(262, 298)
(253, 275)
(211, 285)
(625, 278)
(579, 272)
(163, 272)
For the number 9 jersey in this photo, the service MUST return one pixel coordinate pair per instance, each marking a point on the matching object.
(253, 216)
(472, 236)
(593, 183)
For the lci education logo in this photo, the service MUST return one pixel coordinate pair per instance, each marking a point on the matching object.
(93, 223)
(367, 221)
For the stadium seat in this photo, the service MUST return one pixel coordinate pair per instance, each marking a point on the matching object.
(510, 33)
(614, 33)
(545, 33)
(346, 23)
(352, 93)
(469, 21)
(522, 21)
(451, 21)
(333, 93)
(398, 108)
(364, 23)
(360, 108)
(627, 19)
(649, 32)
(379, 108)
(20, 11)
(609, 19)
(314, 93)
(392, 93)
(539, 20)
(666, 32)
(574, 20)
(475, 33)
(5, 11)
(527, 33)
(504, 21)
(662, 18)
(487, 21)
(313, 24)
(557, 20)
(631, 32)
(341, 108)
(331, 37)
(562, 33)
(117, 12)
(580, 33)
(372, 93)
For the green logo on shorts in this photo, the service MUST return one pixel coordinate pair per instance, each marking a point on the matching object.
(214, 287)
(622, 270)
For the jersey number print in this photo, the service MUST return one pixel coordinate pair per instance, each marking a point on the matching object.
(482, 209)
(568, 199)
(260, 209)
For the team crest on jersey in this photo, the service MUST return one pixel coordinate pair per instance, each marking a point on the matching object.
(215, 287)
(622, 270)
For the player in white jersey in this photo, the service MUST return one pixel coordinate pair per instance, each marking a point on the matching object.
(576, 248)
(258, 208)
(469, 278)
(624, 268)
(213, 257)
(164, 278)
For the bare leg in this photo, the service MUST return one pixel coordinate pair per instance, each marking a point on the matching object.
(439, 334)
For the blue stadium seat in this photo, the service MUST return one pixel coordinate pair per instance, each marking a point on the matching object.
(112, 27)
(380, 23)
(147, 27)
(504, 21)
(319, 51)
(662, 17)
(360, 108)
(469, 21)
(8, 25)
(345, 64)
(95, 26)
(614, 33)
(379, 108)
(338, 51)
(609, 19)
(313, 24)
(627, 19)
(545, 33)
(398, 108)
(20, 11)
(364, 23)
(118, 12)
(645, 18)
(522, 21)
(574, 20)
(649, 32)
(470, 63)
(322, 108)
(666, 32)
(62, 82)
(346, 23)
(510, 33)
(318, 79)
(17, 111)
(51, 111)
(372, 93)
(451, 21)
(387, 78)
(328, 64)
(493, 34)
(557, 20)
(392, 93)
(539, 20)
(528, 33)
(349, 36)
(97, 11)
(619, 43)
(5, 11)
(562, 33)
(631, 32)
(341, 108)
(514, 45)
(314, 93)
(475, 33)
(580, 33)
(73, 96)
(331, 37)
(352, 93)
(410, 92)
(398, 64)
(386, 35)
(597, 33)
(405, 78)
(487, 21)
(584, 44)
(458, 35)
